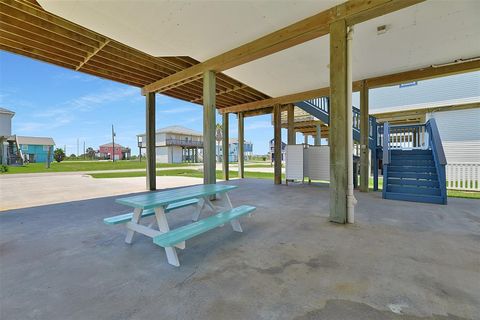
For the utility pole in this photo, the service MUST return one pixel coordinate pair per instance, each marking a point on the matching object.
(113, 144)
(78, 150)
(84, 155)
(65, 149)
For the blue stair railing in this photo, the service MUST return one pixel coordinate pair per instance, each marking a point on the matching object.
(438, 156)
(385, 156)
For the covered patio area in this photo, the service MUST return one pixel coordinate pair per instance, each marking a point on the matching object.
(400, 260)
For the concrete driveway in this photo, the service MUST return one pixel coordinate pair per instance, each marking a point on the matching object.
(30, 190)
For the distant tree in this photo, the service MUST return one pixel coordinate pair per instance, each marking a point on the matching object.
(58, 155)
(90, 152)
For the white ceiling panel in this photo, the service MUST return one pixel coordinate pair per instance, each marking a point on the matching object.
(432, 32)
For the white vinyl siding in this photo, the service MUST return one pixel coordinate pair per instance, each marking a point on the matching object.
(460, 134)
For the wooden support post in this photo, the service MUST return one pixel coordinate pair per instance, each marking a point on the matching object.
(241, 146)
(225, 145)
(150, 141)
(277, 150)
(209, 161)
(364, 139)
(291, 124)
(305, 138)
(339, 130)
(318, 134)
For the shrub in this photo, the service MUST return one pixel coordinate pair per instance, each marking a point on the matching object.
(58, 155)
(3, 168)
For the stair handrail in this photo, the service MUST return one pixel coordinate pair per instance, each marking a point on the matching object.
(386, 142)
(437, 146)
(438, 156)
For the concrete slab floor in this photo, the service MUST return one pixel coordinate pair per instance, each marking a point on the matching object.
(401, 260)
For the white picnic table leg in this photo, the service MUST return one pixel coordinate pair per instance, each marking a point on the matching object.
(198, 209)
(235, 223)
(172, 257)
(137, 213)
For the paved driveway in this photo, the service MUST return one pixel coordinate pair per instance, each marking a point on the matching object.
(30, 190)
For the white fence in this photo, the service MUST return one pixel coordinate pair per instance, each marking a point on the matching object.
(463, 176)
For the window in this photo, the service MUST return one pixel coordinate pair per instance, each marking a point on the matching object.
(24, 147)
(46, 148)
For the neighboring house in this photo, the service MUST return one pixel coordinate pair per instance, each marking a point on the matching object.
(458, 123)
(271, 153)
(21, 149)
(35, 149)
(176, 144)
(5, 132)
(233, 150)
(105, 151)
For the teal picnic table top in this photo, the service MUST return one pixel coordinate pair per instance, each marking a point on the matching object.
(163, 198)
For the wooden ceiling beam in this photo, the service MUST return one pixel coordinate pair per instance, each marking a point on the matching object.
(375, 82)
(291, 98)
(424, 73)
(354, 11)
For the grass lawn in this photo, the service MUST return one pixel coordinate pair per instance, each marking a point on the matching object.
(66, 166)
(450, 193)
(183, 173)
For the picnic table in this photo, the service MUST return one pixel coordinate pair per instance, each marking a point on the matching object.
(161, 203)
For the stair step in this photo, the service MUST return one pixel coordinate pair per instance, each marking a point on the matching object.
(413, 175)
(405, 162)
(427, 169)
(411, 157)
(413, 190)
(412, 152)
(413, 182)
(414, 197)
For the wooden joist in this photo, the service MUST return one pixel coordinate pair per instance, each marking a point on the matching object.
(28, 30)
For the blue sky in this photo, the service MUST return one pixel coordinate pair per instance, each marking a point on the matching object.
(68, 105)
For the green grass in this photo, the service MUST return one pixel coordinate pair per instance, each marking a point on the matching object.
(259, 165)
(463, 194)
(450, 193)
(182, 173)
(73, 166)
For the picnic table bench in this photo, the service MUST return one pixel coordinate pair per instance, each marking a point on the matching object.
(159, 203)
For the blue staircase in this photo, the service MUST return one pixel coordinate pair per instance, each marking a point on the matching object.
(413, 157)
(414, 164)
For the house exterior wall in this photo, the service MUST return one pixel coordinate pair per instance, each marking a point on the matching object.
(460, 134)
(36, 153)
(170, 154)
(5, 125)
(162, 154)
(176, 154)
(233, 150)
(109, 150)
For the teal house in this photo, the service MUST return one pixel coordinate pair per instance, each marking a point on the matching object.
(35, 149)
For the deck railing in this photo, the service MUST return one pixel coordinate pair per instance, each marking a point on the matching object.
(463, 176)
(404, 137)
(183, 143)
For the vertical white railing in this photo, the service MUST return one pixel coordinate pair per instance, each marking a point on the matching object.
(463, 176)
(408, 137)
